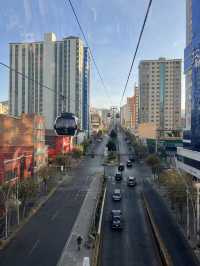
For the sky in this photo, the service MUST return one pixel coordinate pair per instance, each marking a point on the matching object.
(112, 28)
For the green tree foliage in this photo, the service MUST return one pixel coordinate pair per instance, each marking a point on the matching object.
(176, 189)
(77, 153)
(100, 133)
(111, 145)
(153, 161)
(27, 190)
(64, 159)
(113, 134)
(85, 145)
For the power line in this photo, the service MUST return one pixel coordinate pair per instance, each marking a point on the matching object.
(33, 80)
(26, 76)
(136, 50)
(87, 43)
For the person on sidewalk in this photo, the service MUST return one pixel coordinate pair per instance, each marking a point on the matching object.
(79, 242)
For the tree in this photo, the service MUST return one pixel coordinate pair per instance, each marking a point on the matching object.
(28, 189)
(153, 161)
(77, 153)
(6, 200)
(113, 134)
(100, 133)
(176, 190)
(85, 145)
(111, 145)
(64, 159)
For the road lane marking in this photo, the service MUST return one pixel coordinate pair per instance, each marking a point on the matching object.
(34, 247)
(54, 216)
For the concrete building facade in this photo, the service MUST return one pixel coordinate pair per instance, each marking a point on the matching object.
(160, 93)
(22, 145)
(58, 65)
(86, 89)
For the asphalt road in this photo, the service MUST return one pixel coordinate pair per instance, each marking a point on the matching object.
(135, 244)
(42, 239)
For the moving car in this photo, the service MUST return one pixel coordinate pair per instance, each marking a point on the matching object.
(129, 163)
(116, 196)
(118, 176)
(116, 220)
(131, 181)
(121, 167)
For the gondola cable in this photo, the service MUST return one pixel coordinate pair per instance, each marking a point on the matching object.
(136, 50)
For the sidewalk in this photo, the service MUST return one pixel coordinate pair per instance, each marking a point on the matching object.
(70, 255)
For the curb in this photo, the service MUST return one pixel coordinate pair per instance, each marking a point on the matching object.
(4, 243)
(95, 254)
(166, 258)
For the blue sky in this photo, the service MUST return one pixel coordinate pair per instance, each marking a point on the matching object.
(112, 28)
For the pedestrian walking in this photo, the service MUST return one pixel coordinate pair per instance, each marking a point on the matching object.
(79, 242)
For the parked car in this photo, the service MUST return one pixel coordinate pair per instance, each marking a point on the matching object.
(117, 196)
(131, 181)
(121, 167)
(129, 163)
(118, 176)
(116, 220)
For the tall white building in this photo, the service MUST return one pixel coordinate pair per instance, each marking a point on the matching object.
(160, 93)
(55, 64)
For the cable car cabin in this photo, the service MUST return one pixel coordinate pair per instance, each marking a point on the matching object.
(66, 124)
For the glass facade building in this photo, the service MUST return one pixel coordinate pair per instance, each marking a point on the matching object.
(188, 156)
(192, 72)
(86, 89)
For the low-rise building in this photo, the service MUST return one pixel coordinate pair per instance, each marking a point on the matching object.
(4, 107)
(22, 145)
(57, 144)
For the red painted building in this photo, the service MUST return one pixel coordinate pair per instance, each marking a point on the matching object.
(22, 146)
(57, 144)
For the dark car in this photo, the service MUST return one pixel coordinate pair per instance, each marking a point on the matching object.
(118, 176)
(117, 196)
(132, 158)
(129, 163)
(131, 181)
(116, 220)
(121, 167)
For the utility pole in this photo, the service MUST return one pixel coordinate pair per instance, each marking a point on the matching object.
(198, 210)
(188, 215)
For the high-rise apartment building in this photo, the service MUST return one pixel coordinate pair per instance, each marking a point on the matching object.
(86, 89)
(189, 154)
(57, 65)
(130, 111)
(160, 93)
(136, 122)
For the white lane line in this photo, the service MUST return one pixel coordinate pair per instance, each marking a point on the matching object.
(54, 216)
(34, 247)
